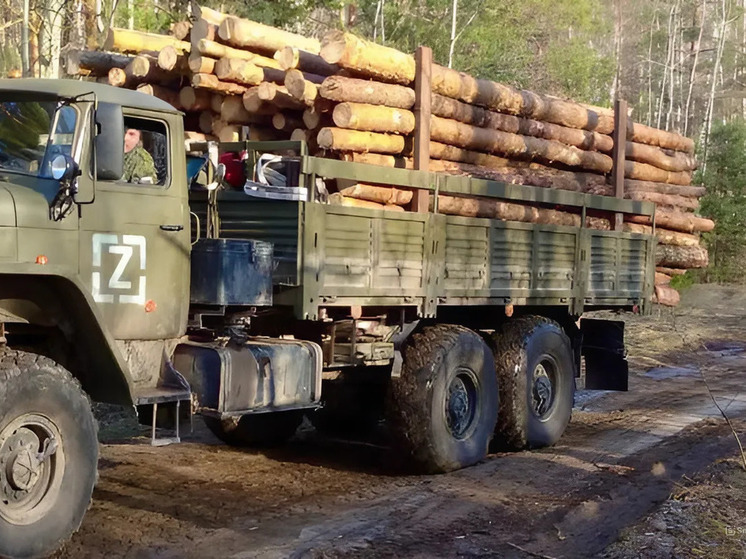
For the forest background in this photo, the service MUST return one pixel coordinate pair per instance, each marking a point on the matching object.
(681, 64)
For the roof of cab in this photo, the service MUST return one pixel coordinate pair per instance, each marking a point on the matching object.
(71, 88)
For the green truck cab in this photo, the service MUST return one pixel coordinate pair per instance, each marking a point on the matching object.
(257, 310)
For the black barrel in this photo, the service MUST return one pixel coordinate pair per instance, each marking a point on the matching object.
(231, 272)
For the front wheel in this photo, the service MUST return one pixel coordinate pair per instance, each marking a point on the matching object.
(48, 455)
(443, 408)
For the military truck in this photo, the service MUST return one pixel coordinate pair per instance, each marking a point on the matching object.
(254, 308)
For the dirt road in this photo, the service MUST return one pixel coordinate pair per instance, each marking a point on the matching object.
(320, 497)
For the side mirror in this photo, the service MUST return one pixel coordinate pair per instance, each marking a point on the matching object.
(109, 144)
(63, 168)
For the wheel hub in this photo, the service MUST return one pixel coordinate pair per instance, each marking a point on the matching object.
(461, 405)
(543, 391)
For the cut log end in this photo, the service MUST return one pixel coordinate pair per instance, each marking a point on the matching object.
(333, 47)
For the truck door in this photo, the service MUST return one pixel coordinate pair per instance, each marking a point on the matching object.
(134, 239)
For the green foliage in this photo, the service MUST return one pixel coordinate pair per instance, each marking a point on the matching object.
(725, 201)
(684, 281)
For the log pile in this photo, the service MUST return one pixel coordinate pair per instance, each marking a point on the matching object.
(354, 100)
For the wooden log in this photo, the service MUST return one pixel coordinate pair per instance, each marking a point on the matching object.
(94, 63)
(368, 58)
(662, 279)
(238, 71)
(216, 101)
(655, 137)
(144, 68)
(192, 99)
(308, 136)
(217, 51)
(278, 95)
(514, 145)
(299, 87)
(208, 14)
(169, 60)
(247, 34)
(645, 172)
(663, 188)
(681, 256)
(212, 83)
(201, 64)
(193, 136)
(664, 236)
(341, 88)
(203, 29)
(292, 58)
(265, 134)
(339, 139)
(670, 271)
(380, 194)
(205, 123)
(673, 161)
(226, 132)
(666, 295)
(127, 40)
(676, 221)
(119, 78)
(164, 93)
(445, 107)
(672, 200)
(338, 199)
(232, 111)
(180, 30)
(285, 121)
(254, 104)
(373, 118)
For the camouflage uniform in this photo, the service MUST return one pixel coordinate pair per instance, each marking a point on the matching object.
(138, 163)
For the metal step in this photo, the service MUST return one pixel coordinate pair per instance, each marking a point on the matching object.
(165, 396)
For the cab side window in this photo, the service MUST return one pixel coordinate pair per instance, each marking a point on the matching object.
(146, 153)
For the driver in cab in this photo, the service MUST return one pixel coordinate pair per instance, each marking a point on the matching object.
(138, 164)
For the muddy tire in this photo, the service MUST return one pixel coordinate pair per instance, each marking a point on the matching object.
(536, 376)
(442, 410)
(48, 455)
(261, 429)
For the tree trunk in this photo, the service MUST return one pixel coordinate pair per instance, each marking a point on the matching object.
(666, 295)
(254, 104)
(670, 271)
(655, 137)
(203, 29)
(662, 279)
(125, 40)
(285, 121)
(165, 94)
(645, 172)
(278, 95)
(514, 145)
(94, 63)
(299, 87)
(170, 60)
(373, 118)
(244, 33)
(380, 194)
(180, 30)
(663, 188)
(679, 202)
(338, 199)
(292, 58)
(340, 88)
(688, 257)
(239, 71)
(339, 139)
(676, 221)
(233, 111)
(664, 236)
(195, 99)
(445, 107)
(216, 50)
(201, 64)
(316, 116)
(674, 161)
(212, 83)
(368, 58)
(208, 14)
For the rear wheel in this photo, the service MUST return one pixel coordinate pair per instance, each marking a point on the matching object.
(256, 429)
(536, 375)
(443, 408)
(48, 455)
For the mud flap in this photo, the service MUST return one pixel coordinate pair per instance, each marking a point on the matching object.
(606, 366)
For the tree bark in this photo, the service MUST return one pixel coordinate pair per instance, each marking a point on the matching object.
(208, 14)
(233, 111)
(688, 257)
(663, 188)
(666, 295)
(664, 236)
(216, 50)
(445, 107)
(212, 83)
(170, 60)
(180, 30)
(201, 64)
(278, 95)
(679, 202)
(340, 88)
(645, 172)
(675, 162)
(662, 279)
(655, 137)
(125, 40)
(192, 99)
(94, 63)
(514, 145)
(368, 58)
(338, 199)
(676, 221)
(244, 33)
(239, 71)
(254, 104)
(164, 93)
(670, 271)
(380, 194)
(293, 58)
(373, 118)
(299, 87)
(339, 139)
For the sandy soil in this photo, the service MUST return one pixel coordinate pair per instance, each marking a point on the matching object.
(622, 456)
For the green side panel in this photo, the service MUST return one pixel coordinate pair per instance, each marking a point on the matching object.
(398, 255)
(348, 252)
(619, 266)
(466, 258)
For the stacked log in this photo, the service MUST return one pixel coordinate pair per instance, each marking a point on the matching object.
(354, 100)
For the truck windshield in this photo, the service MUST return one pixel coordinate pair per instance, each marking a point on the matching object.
(33, 133)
